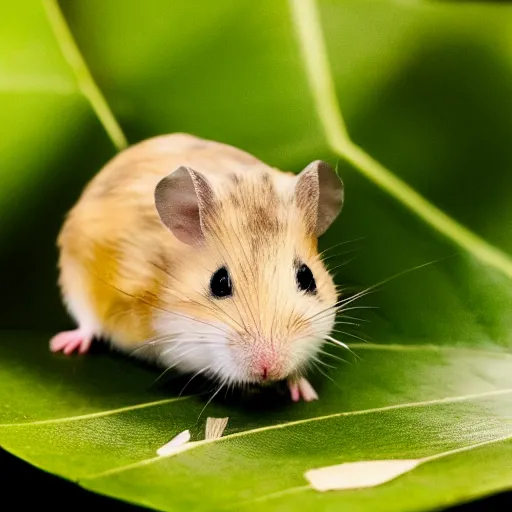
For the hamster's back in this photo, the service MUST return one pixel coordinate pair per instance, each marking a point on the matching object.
(113, 241)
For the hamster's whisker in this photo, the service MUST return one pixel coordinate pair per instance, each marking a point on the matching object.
(174, 347)
(319, 361)
(337, 342)
(230, 387)
(202, 370)
(249, 308)
(107, 254)
(159, 307)
(340, 305)
(215, 306)
(156, 340)
(352, 298)
(223, 383)
(219, 308)
(332, 269)
(353, 317)
(330, 248)
(170, 337)
(176, 344)
(175, 278)
(213, 228)
(167, 370)
(289, 326)
(254, 280)
(177, 339)
(240, 290)
(339, 255)
(274, 316)
(180, 356)
(321, 315)
(123, 292)
(342, 311)
(202, 296)
(215, 310)
(340, 322)
(325, 374)
(328, 309)
(305, 335)
(340, 344)
(351, 335)
(325, 353)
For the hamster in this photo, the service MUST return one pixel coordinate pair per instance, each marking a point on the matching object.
(197, 256)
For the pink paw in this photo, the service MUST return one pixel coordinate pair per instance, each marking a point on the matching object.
(69, 341)
(301, 388)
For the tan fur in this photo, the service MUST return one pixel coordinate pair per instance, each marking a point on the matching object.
(116, 252)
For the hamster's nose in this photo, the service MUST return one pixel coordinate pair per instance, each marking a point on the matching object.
(267, 370)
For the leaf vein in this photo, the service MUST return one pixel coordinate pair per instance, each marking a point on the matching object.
(302, 488)
(85, 81)
(396, 347)
(98, 414)
(197, 444)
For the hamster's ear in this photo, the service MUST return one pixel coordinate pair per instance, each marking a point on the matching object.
(319, 194)
(182, 198)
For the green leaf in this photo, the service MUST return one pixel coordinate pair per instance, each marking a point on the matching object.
(424, 89)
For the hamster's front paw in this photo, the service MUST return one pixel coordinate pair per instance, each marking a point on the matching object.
(301, 388)
(69, 341)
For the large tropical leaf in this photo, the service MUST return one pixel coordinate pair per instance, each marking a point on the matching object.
(425, 89)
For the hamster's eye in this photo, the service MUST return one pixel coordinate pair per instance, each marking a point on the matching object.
(220, 283)
(305, 279)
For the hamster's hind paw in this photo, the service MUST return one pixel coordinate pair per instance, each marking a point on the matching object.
(69, 341)
(301, 388)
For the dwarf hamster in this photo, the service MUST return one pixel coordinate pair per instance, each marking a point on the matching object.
(198, 256)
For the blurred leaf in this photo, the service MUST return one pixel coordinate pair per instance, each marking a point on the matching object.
(50, 143)
(425, 88)
(42, 112)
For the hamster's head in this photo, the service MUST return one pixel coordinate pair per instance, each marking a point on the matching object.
(253, 300)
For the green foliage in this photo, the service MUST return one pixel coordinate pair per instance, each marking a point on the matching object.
(425, 89)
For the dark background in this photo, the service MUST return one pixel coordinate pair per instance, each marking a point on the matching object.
(25, 485)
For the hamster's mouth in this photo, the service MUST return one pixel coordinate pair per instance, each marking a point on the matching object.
(267, 383)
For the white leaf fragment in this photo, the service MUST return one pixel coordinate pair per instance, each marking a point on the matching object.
(215, 427)
(174, 444)
(355, 475)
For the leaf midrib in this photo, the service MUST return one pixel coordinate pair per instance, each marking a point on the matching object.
(320, 79)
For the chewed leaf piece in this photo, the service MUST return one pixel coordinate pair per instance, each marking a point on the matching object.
(356, 475)
(174, 444)
(215, 427)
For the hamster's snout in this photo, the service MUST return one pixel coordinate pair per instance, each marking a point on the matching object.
(267, 368)
(257, 358)
(268, 363)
